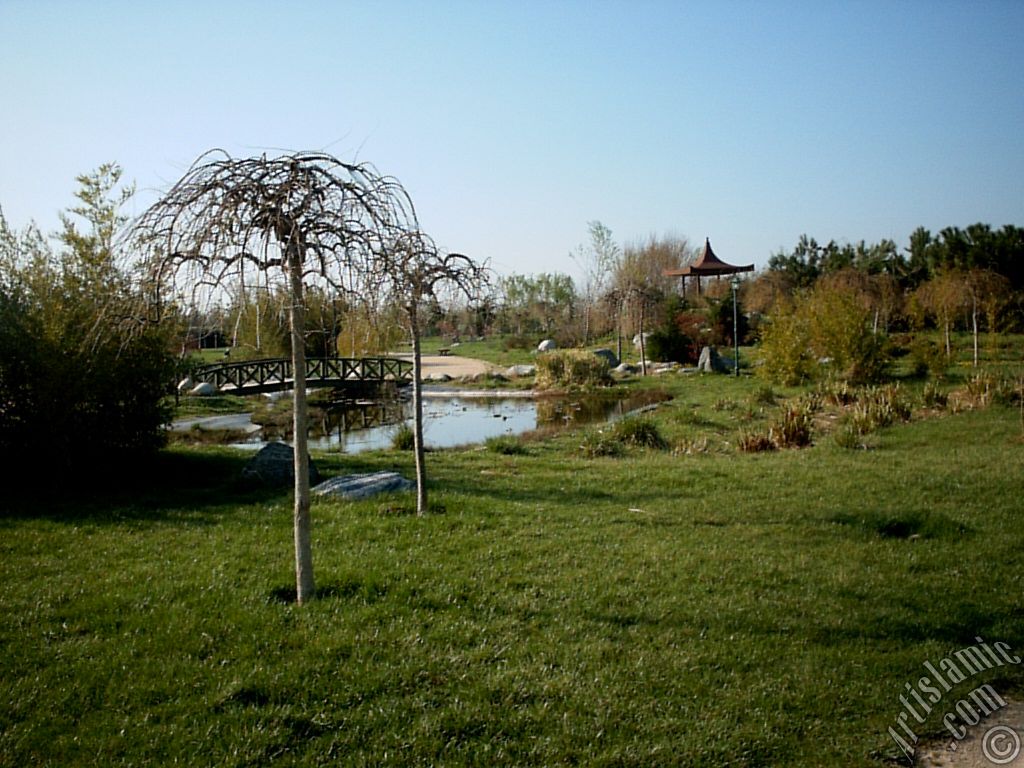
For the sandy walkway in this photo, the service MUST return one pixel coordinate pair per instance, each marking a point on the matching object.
(451, 365)
(996, 740)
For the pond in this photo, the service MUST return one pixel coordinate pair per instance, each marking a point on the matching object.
(449, 419)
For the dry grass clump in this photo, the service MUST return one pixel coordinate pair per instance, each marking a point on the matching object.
(571, 369)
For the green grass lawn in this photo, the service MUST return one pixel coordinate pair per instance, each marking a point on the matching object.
(654, 609)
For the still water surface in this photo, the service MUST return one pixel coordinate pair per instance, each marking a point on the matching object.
(448, 419)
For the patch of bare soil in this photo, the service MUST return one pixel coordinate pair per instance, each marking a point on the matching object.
(995, 741)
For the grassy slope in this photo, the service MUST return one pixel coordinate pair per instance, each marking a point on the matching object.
(719, 609)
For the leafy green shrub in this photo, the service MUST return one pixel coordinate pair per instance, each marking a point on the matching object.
(785, 351)
(80, 383)
(667, 345)
(720, 321)
(571, 368)
(403, 438)
(598, 443)
(830, 324)
(640, 432)
(929, 359)
(841, 332)
(506, 445)
(679, 337)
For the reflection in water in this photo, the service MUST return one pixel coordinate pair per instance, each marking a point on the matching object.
(352, 427)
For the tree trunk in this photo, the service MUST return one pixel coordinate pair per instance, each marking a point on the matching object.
(643, 345)
(417, 418)
(974, 327)
(305, 587)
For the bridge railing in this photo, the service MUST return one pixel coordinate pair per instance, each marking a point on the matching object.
(278, 372)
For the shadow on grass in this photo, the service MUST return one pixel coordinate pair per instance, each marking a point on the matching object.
(197, 485)
(911, 525)
(366, 591)
(957, 624)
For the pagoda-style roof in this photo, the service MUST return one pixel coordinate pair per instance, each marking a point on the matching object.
(708, 265)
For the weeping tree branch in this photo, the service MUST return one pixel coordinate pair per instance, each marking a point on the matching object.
(413, 269)
(308, 218)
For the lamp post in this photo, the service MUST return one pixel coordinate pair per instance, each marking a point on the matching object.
(735, 326)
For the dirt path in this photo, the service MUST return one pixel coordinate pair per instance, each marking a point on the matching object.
(996, 740)
(450, 365)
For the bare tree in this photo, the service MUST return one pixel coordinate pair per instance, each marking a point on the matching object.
(306, 218)
(598, 263)
(634, 299)
(414, 270)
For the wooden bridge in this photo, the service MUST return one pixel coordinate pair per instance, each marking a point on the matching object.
(273, 375)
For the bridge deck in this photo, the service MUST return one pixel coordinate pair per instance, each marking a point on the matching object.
(276, 374)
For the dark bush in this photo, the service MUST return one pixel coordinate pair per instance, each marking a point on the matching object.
(680, 337)
(640, 432)
(82, 385)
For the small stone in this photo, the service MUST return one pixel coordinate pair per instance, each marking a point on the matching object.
(547, 345)
(274, 465)
(203, 389)
(363, 486)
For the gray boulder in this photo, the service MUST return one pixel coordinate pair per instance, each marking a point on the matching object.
(636, 339)
(274, 465)
(515, 371)
(185, 384)
(712, 362)
(547, 345)
(607, 355)
(203, 389)
(354, 487)
(625, 368)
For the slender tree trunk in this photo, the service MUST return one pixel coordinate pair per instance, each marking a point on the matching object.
(305, 586)
(643, 345)
(974, 328)
(417, 408)
(949, 348)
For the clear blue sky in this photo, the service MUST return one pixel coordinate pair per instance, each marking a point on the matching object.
(513, 124)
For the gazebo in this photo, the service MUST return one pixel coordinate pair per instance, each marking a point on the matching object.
(708, 265)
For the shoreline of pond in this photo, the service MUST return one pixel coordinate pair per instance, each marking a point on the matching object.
(452, 417)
